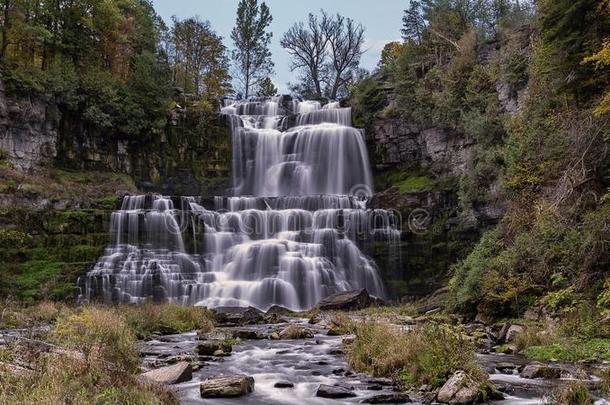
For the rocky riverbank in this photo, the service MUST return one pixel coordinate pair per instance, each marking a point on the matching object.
(360, 354)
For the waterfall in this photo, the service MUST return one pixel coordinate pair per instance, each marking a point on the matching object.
(291, 234)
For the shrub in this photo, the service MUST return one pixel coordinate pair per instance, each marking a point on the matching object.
(102, 335)
(428, 355)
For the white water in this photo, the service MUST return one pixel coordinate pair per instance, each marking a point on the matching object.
(290, 236)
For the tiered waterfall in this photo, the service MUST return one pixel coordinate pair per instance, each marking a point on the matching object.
(291, 234)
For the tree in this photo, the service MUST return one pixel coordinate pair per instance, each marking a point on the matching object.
(390, 54)
(251, 56)
(327, 52)
(266, 88)
(413, 23)
(200, 61)
(345, 39)
(307, 44)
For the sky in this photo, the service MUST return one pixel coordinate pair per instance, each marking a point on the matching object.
(381, 18)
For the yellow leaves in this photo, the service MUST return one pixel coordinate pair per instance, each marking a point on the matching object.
(601, 59)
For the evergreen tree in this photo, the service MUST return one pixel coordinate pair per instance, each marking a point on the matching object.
(413, 23)
(266, 88)
(251, 56)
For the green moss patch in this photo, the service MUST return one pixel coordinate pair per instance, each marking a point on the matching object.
(574, 350)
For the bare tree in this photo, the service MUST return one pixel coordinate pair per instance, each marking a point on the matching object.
(345, 39)
(307, 44)
(327, 51)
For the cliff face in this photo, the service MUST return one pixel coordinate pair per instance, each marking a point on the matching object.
(192, 155)
(61, 178)
(425, 173)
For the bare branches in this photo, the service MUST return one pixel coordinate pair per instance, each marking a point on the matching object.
(328, 50)
(308, 47)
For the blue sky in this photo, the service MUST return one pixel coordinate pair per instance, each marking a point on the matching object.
(382, 19)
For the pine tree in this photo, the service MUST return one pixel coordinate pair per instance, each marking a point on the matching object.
(266, 88)
(413, 23)
(251, 56)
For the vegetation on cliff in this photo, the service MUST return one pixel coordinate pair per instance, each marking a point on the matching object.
(115, 63)
(529, 87)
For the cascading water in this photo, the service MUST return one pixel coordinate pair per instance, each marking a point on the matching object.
(291, 235)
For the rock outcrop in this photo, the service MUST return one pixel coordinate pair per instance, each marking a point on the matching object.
(346, 301)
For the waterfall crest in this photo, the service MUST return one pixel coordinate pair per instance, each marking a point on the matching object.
(291, 234)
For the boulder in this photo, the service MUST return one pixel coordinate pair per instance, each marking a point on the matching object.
(227, 386)
(539, 370)
(394, 398)
(237, 316)
(248, 334)
(459, 389)
(174, 374)
(210, 347)
(279, 310)
(506, 367)
(428, 308)
(296, 332)
(283, 384)
(512, 333)
(334, 392)
(346, 301)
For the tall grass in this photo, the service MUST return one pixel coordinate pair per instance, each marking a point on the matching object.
(428, 355)
(94, 361)
(148, 319)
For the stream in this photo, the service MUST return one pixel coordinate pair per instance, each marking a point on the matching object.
(307, 363)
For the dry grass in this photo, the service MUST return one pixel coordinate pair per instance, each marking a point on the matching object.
(64, 380)
(149, 319)
(100, 334)
(428, 355)
(16, 316)
(94, 360)
(574, 393)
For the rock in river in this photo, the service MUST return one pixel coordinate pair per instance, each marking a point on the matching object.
(346, 301)
(227, 386)
(237, 316)
(459, 389)
(538, 370)
(210, 347)
(296, 332)
(394, 398)
(175, 374)
(334, 392)
(248, 334)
